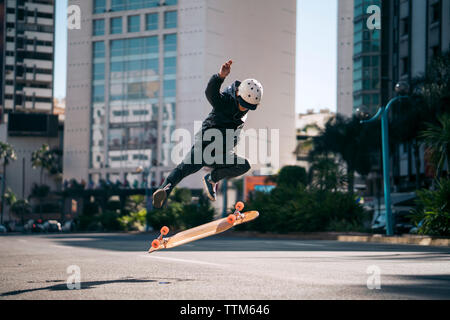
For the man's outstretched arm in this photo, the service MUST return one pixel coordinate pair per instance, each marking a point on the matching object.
(213, 89)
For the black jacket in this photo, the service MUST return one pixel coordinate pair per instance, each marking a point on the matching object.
(225, 113)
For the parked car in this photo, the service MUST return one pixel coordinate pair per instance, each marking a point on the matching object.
(69, 226)
(34, 226)
(3, 229)
(401, 218)
(52, 226)
(402, 211)
(378, 224)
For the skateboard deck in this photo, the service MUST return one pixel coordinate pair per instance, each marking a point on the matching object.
(203, 231)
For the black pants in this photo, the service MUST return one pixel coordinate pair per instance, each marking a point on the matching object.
(229, 166)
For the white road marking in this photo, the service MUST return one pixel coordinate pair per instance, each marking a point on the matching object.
(183, 260)
(296, 243)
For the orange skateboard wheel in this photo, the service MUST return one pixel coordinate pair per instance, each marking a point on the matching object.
(156, 244)
(164, 230)
(231, 219)
(239, 206)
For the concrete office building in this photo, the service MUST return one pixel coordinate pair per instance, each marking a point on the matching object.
(137, 70)
(414, 31)
(345, 58)
(309, 125)
(26, 91)
(27, 37)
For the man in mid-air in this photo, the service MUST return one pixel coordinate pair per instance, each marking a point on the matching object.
(230, 109)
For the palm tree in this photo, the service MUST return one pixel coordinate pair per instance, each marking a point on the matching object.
(7, 154)
(437, 139)
(429, 96)
(351, 141)
(49, 160)
(325, 174)
(21, 208)
(41, 158)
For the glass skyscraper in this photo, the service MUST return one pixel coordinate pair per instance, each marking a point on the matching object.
(133, 86)
(137, 70)
(366, 59)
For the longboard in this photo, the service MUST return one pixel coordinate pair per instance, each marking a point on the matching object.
(203, 231)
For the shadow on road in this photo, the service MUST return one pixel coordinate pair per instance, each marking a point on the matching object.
(92, 284)
(435, 286)
(141, 243)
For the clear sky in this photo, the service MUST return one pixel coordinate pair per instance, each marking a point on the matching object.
(60, 49)
(316, 53)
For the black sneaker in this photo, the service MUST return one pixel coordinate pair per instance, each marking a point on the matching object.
(210, 187)
(160, 196)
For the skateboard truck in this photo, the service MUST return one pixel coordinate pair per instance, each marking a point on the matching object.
(160, 240)
(237, 213)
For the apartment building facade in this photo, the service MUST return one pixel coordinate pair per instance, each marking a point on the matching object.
(137, 70)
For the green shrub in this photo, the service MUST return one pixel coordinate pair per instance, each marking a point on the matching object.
(292, 176)
(135, 221)
(109, 221)
(195, 214)
(181, 213)
(105, 221)
(304, 210)
(434, 210)
(166, 216)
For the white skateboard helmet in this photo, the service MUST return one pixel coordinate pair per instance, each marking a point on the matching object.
(250, 94)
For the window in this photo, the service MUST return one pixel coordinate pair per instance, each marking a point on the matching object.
(170, 65)
(121, 5)
(170, 19)
(99, 49)
(151, 45)
(116, 25)
(134, 23)
(404, 26)
(436, 50)
(117, 5)
(151, 21)
(116, 138)
(366, 100)
(405, 65)
(99, 6)
(171, 2)
(121, 113)
(138, 59)
(435, 12)
(169, 88)
(357, 85)
(376, 99)
(98, 93)
(99, 71)
(99, 27)
(170, 43)
(152, 64)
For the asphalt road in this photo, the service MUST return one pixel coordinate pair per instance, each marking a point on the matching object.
(116, 266)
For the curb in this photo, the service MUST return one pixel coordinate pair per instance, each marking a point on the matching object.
(349, 237)
(407, 239)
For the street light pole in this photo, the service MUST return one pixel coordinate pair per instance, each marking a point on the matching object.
(383, 113)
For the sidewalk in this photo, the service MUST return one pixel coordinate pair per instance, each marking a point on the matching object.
(349, 237)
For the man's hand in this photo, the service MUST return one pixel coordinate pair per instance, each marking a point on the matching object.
(225, 69)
